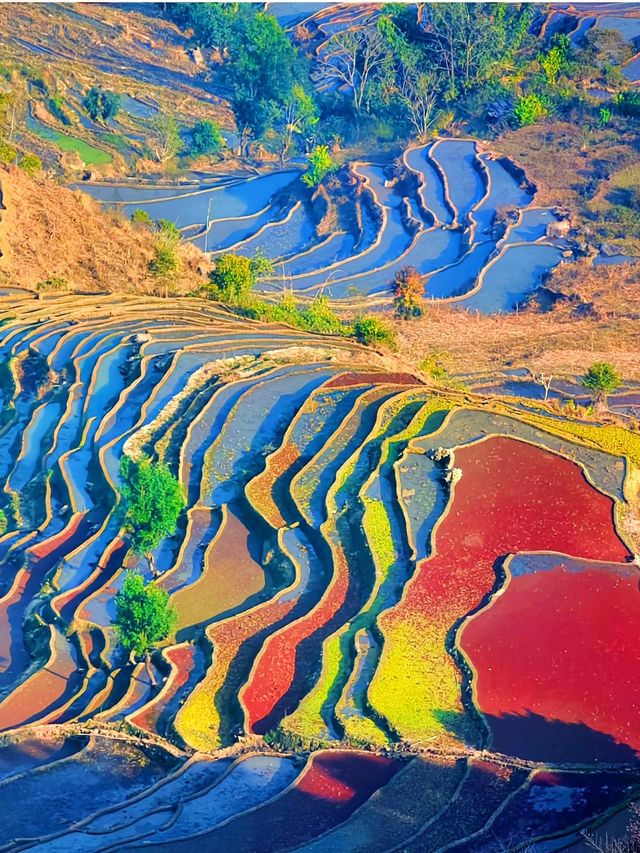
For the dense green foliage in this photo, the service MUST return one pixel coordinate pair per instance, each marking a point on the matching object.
(529, 109)
(372, 330)
(101, 104)
(31, 164)
(153, 501)
(601, 379)
(206, 138)
(144, 616)
(234, 276)
(320, 164)
(318, 316)
(400, 74)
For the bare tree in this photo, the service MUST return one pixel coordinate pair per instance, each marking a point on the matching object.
(350, 58)
(419, 94)
(164, 141)
(545, 381)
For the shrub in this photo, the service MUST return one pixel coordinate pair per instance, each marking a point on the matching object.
(153, 501)
(320, 164)
(601, 378)
(8, 153)
(31, 164)
(234, 276)
(627, 103)
(408, 292)
(435, 365)
(4, 522)
(144, 616)
(140, 215)
(319, 317)
(101, 104)
(55, 282)
(205, 138)
(168, 229)
(165, 263)
(529, 109)
(371, 330)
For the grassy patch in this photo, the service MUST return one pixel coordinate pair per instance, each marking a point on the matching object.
(89, 154)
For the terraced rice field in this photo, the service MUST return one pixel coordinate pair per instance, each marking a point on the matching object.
(440, 219)
(394, 606)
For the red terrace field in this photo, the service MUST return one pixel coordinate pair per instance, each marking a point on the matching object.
(513, 496)
(556, 663)
(346, 380)
(182, 660)
(329, 789)
(13, 655)
(275, 668)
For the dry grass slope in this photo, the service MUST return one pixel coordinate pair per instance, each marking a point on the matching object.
(48, 231)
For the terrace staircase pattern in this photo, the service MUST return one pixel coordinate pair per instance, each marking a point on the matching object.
(311, 574)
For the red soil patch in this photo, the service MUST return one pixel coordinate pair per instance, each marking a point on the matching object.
(275, 670)
(45, 692)
(512, 496)
(346, 380)
(560, 644)
(327, 792)
(182, 660)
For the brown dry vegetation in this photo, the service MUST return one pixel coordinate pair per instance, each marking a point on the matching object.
(565, 158)
(68, 48)
(554, 342)
(47, 231)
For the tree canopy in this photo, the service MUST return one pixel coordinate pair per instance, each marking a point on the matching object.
(144, 616)
(205, 138)
(153, 501)
(101, 104)
(601, 379)
(234, 276)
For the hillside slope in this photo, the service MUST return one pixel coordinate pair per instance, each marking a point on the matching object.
(47, 231)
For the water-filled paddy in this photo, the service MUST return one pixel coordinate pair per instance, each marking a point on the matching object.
(440, 221)
(544, 676)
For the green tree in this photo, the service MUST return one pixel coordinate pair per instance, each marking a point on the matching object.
(234, 276)
(153, 501)
(164, 141)
(556, 59)
(320, 164)
(262, 69)
(144, 617)
(31, 164)
(372, 330)
(101, 104)
(601, 379)
(300, 118)
(206, 138)
(529, 109)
